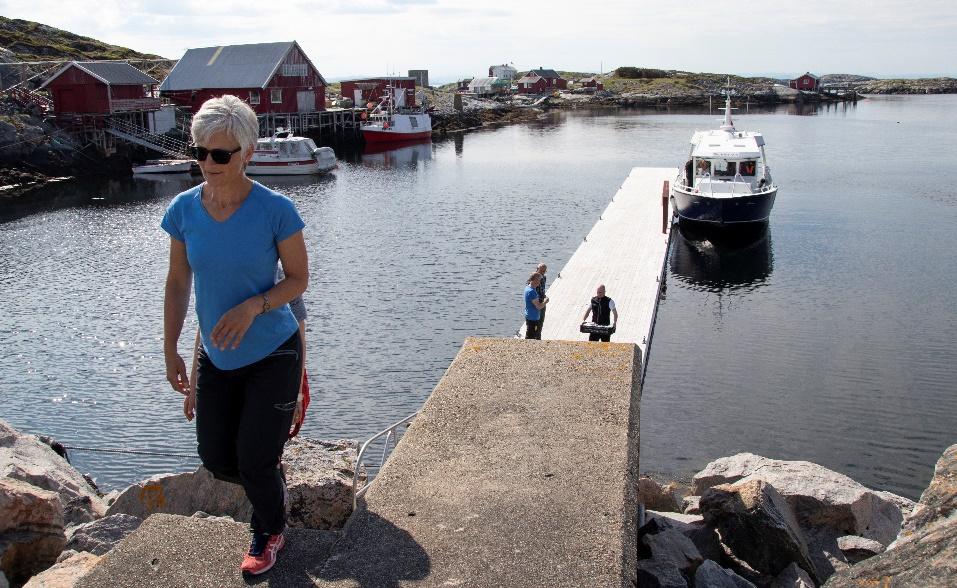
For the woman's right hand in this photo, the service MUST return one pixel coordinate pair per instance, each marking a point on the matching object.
(176, 374)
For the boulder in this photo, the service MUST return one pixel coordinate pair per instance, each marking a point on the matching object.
(183, 494)
(66, 573)
(756, 525)
(711, 575)
(857, 549)
(819, 497)
(672, 547)
(681, 522)
(102, 535)
(665, 498)
(319, 476)
(825, 552)
(928, 557)
(25, 457)
(658, 574)
(31, 529)
(706, 539)
(792, 577)
(939, 501)
(691, 505)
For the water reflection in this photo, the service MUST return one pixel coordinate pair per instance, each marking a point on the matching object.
(392, 156)
(716, 261)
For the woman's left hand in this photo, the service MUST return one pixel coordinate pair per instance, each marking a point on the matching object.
(232, 326)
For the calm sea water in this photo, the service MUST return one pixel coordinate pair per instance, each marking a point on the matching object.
(828, 338)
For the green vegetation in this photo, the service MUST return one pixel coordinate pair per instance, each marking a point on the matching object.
(32, 41)
(645, 73)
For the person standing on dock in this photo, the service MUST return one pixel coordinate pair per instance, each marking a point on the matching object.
(226, 237)
(533, 307)
(601, 308)
(541, 269)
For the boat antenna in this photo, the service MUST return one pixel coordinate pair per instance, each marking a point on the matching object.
(728, 123)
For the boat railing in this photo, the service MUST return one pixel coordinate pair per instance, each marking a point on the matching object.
(391, 438)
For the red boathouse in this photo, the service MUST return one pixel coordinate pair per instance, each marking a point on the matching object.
(100, 88)
(274, 78)
(808, 82)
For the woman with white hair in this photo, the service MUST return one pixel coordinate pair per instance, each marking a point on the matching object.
(227, 234)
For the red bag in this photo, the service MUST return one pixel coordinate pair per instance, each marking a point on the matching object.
(305, 405)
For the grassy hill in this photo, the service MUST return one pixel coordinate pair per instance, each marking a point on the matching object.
(32, 41)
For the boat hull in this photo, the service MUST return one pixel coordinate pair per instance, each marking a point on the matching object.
(286, 169)
(166, 168)
(737, 210)
(381, 136)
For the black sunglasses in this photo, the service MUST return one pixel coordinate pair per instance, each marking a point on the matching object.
(220, 156)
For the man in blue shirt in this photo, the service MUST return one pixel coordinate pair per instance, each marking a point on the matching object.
(533, 307)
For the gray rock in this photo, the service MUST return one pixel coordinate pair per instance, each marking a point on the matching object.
(792, 577)
(672, 547)
(691, 505)
(939, 501)
(319, 476)
(681, 522)
(857, 549)
(819, 497)
(657, 574)
(102, 535)
(755, 524)
(825, 553)
(31, 529)
(665, 498)
(25, 457)
(711, 575)
(66, 554)
(706, 539)
(183, 494)
(66, 573)
(928, 557)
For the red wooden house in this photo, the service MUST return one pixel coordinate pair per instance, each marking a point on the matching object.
(539, 81)
(100, 88)
(592, 83)
(373, 90)
(274, 78)
(808, 82)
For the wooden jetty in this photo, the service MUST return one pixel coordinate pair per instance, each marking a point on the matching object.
(625, 251)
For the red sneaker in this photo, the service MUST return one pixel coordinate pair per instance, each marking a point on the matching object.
(262, 553)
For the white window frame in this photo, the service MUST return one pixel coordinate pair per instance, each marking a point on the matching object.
(273, 93)
(254, 97)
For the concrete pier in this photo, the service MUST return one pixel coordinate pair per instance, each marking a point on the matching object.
(626, 251)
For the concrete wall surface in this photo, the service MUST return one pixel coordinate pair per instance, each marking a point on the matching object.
(520, 471)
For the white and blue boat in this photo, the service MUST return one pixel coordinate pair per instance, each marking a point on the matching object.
(726, 180)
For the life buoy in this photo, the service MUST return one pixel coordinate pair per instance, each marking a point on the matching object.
(364, 116)
(385, 126)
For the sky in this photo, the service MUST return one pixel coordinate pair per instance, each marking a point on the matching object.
(456, 38)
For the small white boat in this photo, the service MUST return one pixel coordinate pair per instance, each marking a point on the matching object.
(284, 154)
(726, 180)
(164, 166)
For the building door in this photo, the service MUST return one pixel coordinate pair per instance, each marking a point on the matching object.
(306, 101)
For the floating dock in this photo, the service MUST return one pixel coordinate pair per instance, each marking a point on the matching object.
(625, 251)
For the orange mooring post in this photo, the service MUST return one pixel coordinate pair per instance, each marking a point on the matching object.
(664, 206)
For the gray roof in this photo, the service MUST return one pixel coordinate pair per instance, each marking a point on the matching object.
(228, 66)
(546, 73)
(111, 73)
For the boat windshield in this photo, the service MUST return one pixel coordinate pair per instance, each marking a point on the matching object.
(724, 169)
(747, 167)
(703, 168)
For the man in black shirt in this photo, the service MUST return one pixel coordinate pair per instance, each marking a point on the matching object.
(601, 308)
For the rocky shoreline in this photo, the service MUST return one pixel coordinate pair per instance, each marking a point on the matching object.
(745, 521)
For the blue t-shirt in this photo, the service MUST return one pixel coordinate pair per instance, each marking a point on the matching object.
(235, 260)
(531, 312)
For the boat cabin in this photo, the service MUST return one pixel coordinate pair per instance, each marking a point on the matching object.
(721, 159)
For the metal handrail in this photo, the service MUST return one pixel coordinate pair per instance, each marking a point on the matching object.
(391, 435)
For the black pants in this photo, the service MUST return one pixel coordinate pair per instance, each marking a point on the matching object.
(541, 321)
(533, 329)
(242, 423)
(599, 337)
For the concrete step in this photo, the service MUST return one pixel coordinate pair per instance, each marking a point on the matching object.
(172, 550)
